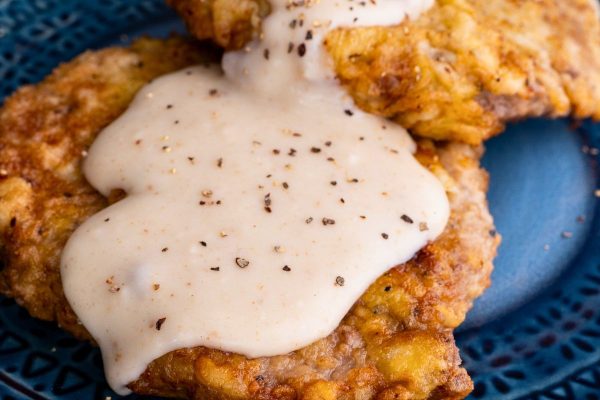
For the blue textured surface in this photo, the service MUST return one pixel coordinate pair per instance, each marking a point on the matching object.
(535, 334)
(540, 185)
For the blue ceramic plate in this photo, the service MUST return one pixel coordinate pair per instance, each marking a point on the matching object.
(535, 334)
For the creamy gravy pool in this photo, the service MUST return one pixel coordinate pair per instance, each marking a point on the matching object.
(260, 202)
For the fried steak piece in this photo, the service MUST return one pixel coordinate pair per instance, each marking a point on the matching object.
(458, 72)
(395, 343)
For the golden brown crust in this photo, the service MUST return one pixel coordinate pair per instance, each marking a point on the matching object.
(462, 69)
(230, 23)
(396, 342)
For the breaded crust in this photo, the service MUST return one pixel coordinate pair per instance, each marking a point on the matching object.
(458, 72)
(395, 343)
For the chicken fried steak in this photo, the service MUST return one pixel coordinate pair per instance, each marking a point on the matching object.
(395, 343)
(458, 72)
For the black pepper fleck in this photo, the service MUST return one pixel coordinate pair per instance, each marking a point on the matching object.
(407, 219)
(385, 236)
(301, 49)
(215, 269)
(387, 288)
(160, 322)
(315, 150)
(286, 268)
(309, 220)
(242, 263)
(165, 249)
(203, 243)
(339, 281)
(328, 221)
(348, 112)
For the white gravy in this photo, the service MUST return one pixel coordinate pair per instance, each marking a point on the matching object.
(260, 202)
